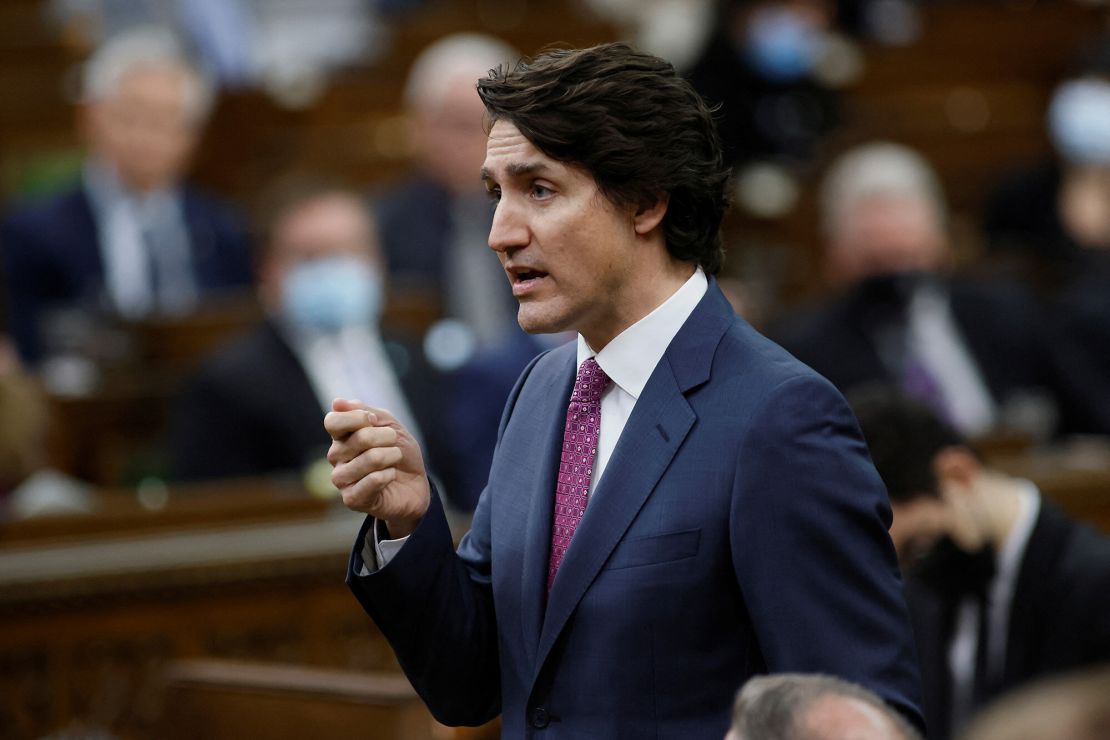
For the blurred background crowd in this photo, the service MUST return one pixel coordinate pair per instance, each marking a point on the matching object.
(218, 215)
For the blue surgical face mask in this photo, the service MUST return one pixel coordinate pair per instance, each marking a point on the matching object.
(332, 293)
(1079, 120)
(781, 46)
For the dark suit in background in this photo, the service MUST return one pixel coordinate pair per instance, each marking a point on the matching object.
(416, 226)
(55, 260)
(1007, 337)
(739, 528)
(251, 410)
(1059, 615)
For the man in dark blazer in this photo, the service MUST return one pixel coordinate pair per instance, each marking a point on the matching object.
(254, 406)
(131, 239)
(978, 350)
(1003, 587)
(707, 511)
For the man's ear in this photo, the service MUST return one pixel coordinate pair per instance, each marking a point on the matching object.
(956, 464)
(649, 215)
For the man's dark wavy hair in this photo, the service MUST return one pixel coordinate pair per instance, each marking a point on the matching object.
(637, 126)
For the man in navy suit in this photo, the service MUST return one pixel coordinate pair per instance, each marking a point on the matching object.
(131, 239)
(703, 509)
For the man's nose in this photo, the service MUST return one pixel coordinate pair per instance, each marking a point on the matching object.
(509, 229)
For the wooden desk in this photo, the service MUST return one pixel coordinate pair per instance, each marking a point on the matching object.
(1075, 476)
(89, 618)
(229, 700)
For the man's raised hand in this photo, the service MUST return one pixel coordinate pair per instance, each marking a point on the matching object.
(377, 465)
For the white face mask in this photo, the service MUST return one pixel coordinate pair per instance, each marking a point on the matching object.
(332, 293)
(1079, 121)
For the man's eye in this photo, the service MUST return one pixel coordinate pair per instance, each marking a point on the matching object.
(539, 191)
(494, 194)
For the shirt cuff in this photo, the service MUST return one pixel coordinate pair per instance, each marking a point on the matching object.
(379, 552)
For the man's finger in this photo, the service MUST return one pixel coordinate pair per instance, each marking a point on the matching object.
(368, 463)
(348, 404)
(366, 494)
(359, 441)
(341, 423)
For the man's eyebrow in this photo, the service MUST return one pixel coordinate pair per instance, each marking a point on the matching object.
(518, 169)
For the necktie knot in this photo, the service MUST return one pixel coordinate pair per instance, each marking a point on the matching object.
(590, 383)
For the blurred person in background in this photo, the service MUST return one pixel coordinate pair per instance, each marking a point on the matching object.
(1069, 707)
(1053, 217)
(132, 239)
(434, 224)
(805, 706)
(254, 407)
(976, 351)
(1002, 586)
(434, 229)
(759, 65)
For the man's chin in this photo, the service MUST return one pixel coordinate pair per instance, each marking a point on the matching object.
(536, 321)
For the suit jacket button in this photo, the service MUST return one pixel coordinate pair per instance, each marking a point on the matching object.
(540, 718)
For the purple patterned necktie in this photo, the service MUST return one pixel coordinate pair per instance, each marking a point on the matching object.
(576, 466)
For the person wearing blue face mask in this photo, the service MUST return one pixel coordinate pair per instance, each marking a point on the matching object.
(1050, 219)
(759, 66)
(254, 406)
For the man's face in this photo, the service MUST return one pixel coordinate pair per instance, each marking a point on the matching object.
(145, 128)
(917, 525)
(569, 253)
(449, 136)
(332, 225)
(884, 235)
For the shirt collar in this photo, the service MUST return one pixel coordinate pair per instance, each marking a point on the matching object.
(630, 358)
(105, 188)
(1010, 554)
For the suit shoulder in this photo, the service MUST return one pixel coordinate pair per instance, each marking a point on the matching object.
(221, 213)
(753, 359)
(33, 218)
(242, 358)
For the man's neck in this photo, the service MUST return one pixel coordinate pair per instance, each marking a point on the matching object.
(656, 286)
(1004, 506)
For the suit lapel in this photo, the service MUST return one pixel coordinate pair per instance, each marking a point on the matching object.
(660, 422)
(87, 254)
(536, 510)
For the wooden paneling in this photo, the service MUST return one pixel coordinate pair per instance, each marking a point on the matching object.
(220, 700)
(90, 613)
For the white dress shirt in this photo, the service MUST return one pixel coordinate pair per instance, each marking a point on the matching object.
(144, 246)
(938, 344)
(965, 640)
(628, 359)
(351, 363)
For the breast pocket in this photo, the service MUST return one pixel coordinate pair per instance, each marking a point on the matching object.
(659, 548)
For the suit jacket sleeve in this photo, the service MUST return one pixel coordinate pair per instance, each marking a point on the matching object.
(435, 607)
(436, 610)
(811, 550)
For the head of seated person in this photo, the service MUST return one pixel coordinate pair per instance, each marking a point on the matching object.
(1071, 706)
(951, 513)
(320, 268)
(791, 706)
(882, 213)
(143, 107)
(1079, 128)
(447, 116)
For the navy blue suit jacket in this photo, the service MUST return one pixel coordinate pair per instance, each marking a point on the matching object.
(739, 528)
(53, 257)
